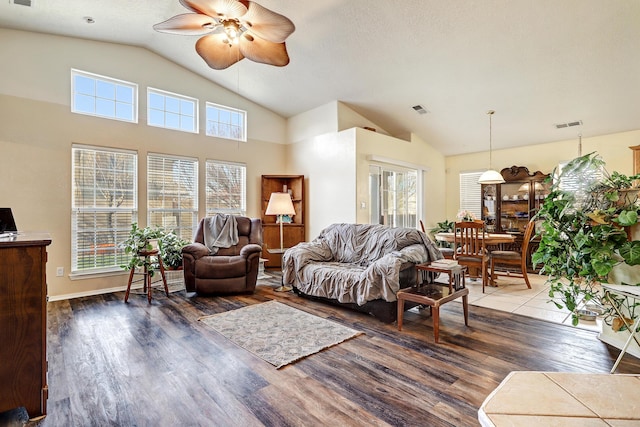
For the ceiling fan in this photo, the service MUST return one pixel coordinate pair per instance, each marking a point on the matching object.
(233, 30)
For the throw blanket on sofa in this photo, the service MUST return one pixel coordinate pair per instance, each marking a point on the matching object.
(220, 231)
(356, 263)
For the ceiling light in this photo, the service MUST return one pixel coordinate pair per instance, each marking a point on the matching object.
(491, 176)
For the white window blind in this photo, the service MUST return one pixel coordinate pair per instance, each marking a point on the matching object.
(172, 193)
(471, 193)
(226, 188)
(226, 122)
(101, 96)
(577, 185)
(104, 205)
(172, 111)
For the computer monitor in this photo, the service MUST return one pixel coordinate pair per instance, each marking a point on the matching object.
(7, 223)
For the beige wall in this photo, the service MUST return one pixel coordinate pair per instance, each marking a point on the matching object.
(614, 150)
(37, 131)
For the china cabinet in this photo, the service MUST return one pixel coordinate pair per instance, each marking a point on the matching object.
(506, 208)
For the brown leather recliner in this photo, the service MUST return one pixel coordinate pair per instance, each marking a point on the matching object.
(230, 270)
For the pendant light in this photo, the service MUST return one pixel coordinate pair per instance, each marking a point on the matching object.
(491, 176)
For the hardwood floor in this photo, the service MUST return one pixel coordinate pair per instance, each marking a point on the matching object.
(118, 364)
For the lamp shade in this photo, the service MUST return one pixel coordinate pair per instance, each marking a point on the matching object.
(491, 177)
(280, 204)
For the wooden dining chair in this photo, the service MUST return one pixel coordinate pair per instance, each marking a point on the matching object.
(469, 248)
(512, 259)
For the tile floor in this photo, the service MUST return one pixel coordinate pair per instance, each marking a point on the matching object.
(512, 295)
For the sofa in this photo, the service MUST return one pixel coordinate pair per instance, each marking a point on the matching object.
(229, 270)
(360, 266)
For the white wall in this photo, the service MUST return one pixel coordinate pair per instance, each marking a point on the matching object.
(329, 166)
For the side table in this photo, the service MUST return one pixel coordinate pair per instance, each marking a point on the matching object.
(436, 294)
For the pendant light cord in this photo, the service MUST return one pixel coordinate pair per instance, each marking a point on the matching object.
(490, 113)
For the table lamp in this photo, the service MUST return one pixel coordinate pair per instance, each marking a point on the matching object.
(280, 204)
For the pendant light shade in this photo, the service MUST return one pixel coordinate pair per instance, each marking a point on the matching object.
(491, 176)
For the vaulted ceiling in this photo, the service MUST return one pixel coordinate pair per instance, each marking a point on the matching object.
(536, 63)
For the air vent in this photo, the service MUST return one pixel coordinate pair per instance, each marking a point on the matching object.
(420, 109)
(28, 3)
(568, 124)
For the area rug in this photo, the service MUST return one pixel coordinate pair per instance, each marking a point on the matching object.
(278, 333)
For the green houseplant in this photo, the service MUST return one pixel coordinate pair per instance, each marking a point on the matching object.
(584, 233)
(140, 239)
(171, 250)
(445, 226)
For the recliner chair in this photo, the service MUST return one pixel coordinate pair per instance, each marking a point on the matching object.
(230, 270)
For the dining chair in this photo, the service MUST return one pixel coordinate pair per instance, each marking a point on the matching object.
(469, 248)
(513, 258)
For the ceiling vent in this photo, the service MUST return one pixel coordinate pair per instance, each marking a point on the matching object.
(28, 3)
(420, 109)
(568, 124)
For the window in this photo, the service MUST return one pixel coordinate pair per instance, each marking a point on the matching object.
(226, 122)
(393, 196)
(226, 188)
(104, 202)
(101, 96)
(172, 193)
(471, 193)
(172, 111)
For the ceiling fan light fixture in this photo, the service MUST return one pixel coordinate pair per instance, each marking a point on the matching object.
(231, 30)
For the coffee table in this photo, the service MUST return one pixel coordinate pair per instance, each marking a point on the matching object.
(436, 294)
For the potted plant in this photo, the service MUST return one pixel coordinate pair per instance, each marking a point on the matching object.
(141, 239)
(171, 250)
(445, 226)
(584, 235)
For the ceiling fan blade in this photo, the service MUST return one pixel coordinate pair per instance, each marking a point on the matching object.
(191, 24)
(216, 8)
(267, 24)
(216, 52)
(263, 51)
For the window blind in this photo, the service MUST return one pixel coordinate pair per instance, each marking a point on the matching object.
(226, 188)
(471, 193)
(172, 193)
(104, 205)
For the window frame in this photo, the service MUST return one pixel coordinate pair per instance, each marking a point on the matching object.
(230, 110)
(179, 229)
(104, 79)
(179, 97)
(411, 215)
(111, 247)
(243, 192)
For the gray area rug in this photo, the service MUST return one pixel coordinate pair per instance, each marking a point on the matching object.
(278, 333)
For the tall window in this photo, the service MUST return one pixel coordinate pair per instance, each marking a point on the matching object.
(226, 188)
(471, 193)
(393, 196)
(172, 111)
(104, 205)
(226, 122)
(102, 96)
(172, 193)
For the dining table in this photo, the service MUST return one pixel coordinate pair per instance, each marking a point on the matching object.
(489, 238)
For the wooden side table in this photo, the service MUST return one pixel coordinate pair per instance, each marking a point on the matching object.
(435, 294)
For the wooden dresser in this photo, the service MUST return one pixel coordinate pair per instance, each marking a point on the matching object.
(23, 323)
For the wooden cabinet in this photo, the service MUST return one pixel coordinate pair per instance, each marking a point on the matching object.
(23, 323)
(508, 207)
(293, 232)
